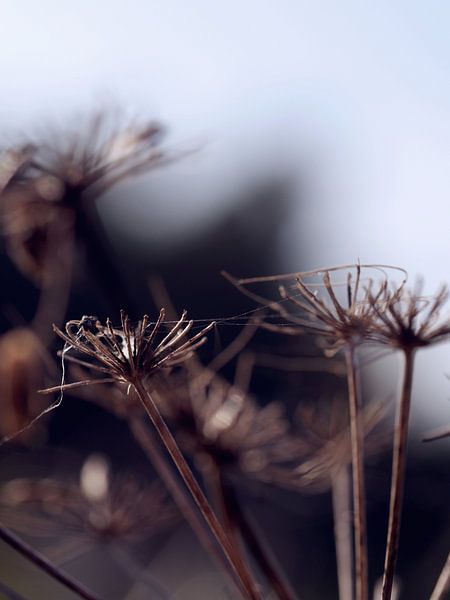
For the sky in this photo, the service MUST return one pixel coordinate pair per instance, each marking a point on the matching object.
(358, 92)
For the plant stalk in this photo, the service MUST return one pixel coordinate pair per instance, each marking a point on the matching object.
(237, 522)
(442, 588)
(340, 492)
(359, 494)
(399, 455)
(249, 587)
(151, 448)
(45, 565)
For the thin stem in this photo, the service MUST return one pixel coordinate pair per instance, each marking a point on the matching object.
(151, 448)
(359, 494)
(442, 587)
(238, 522)
(340, 492)
(9, 593)
(42, 563)
(249, 587)
(398, 474)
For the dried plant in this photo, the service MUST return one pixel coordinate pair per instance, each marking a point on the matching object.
(324, 431)
(344, 324)
(48, 197)
(42, 563)
(229, 435)
(218, 421)
(131, 355)
(95, 509)
(407, 321)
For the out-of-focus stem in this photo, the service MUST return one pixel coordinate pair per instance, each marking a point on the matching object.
(42, 563)
(237, 566)
(359, 494)
(340, 491)
(237, 522)
(151, 448)
(398, 474)
(442, 587)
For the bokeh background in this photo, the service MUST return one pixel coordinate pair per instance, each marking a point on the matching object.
(315, 133)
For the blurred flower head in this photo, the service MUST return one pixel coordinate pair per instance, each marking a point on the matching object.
(43, 184)
(98, 508)
(216, 421)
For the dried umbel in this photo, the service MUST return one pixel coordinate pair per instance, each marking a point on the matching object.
(336, 304)
(217, 421)
(97, 509)
(323, 427)
(342, 314)
(324, 430)
(48, 185)
(408, 320)
(131, 354)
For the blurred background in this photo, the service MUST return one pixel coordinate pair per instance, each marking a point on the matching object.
(309, 134)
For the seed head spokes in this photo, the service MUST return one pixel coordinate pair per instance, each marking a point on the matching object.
(131, 352)
(407, 319)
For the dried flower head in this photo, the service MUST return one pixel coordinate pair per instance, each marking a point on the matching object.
(323, 427)
(337, 304)
(46, 184)
(408, 320)
(217, 421)
(97, 509)
(131, 353)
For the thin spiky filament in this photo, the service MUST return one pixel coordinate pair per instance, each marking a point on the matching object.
(131, 353)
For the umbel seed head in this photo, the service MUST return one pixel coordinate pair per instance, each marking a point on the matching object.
(131, 353)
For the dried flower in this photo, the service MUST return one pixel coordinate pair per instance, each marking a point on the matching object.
(131, 353)
(409, 320)
(47, 185)
(342, 323)
(406, 321)
(325, 432)
(96, 509)
(217, 421)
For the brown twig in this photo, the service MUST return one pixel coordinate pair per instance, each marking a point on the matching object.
(442, 587)
(151, 448)
(248, 585)
(359, 495)
(238, 523)
(340, 492)
(42, 563)
(398, 474)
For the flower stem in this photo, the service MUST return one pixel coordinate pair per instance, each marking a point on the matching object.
(359, 494)
(398, 474)
(236, 521)
(151, 448)
(442, 587)
(249, 587)
(340, 492)
(42, 563)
